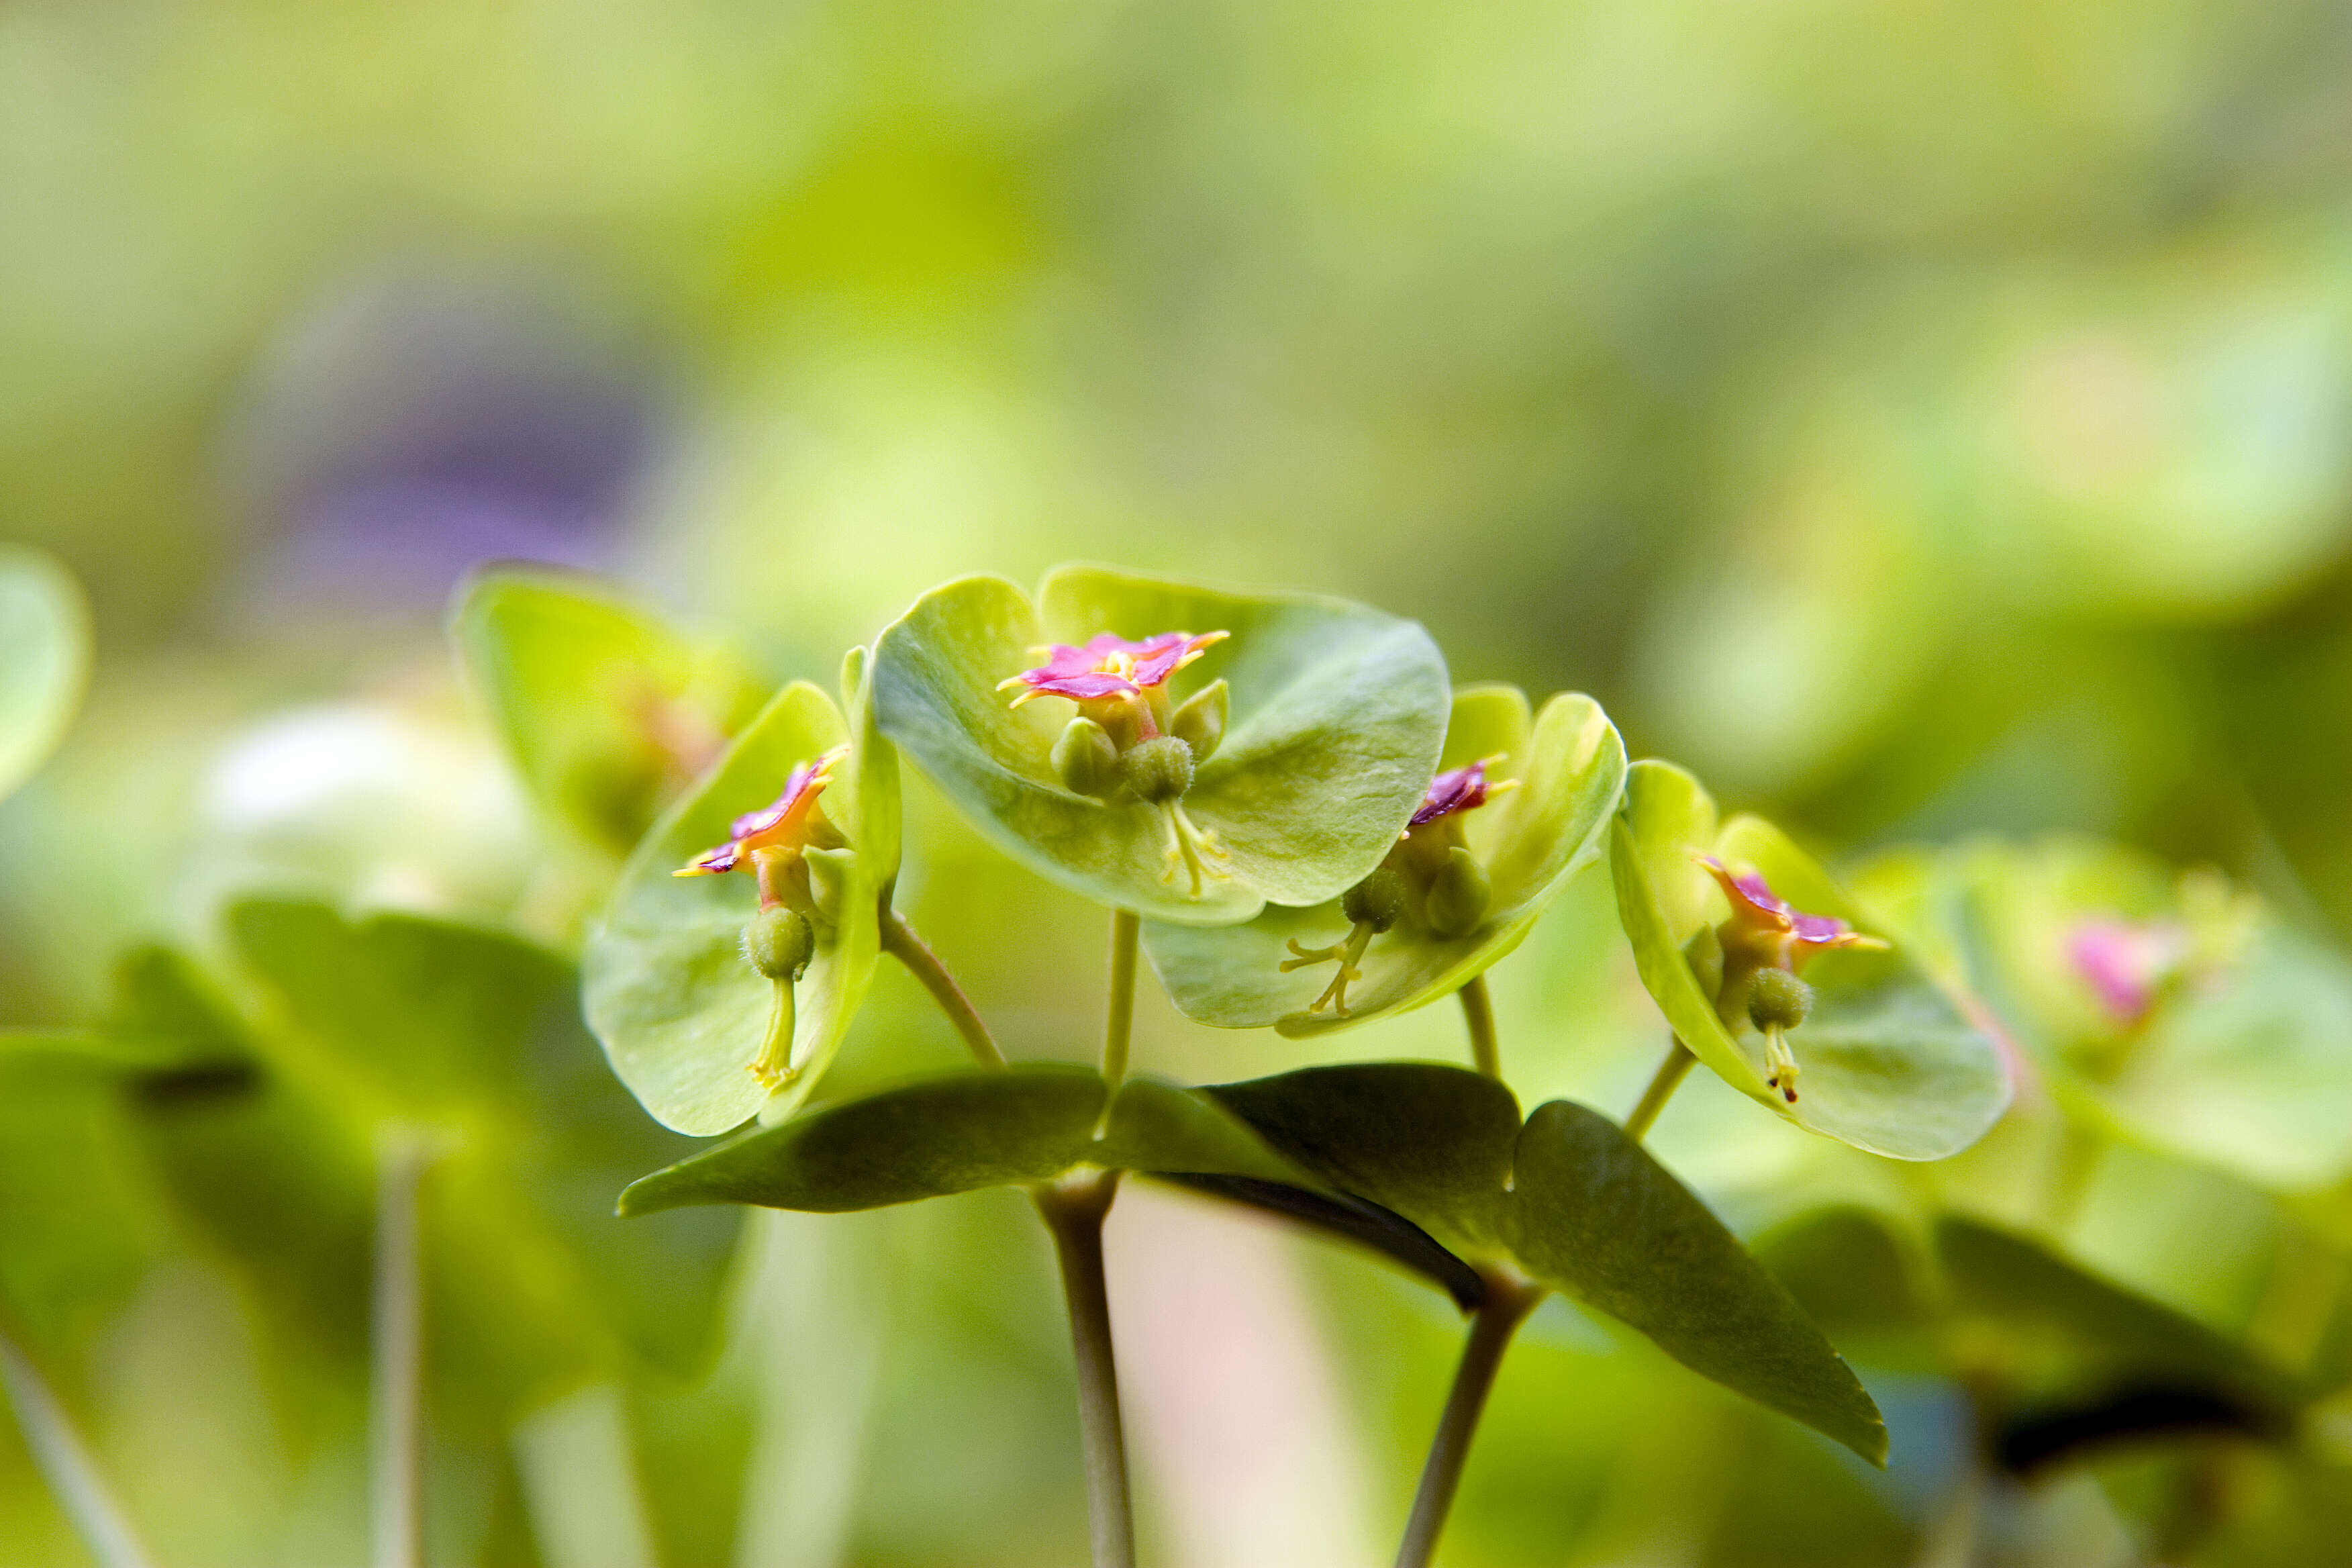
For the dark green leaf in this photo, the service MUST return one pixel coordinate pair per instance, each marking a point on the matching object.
(1029, 1123)
(1568, 1200)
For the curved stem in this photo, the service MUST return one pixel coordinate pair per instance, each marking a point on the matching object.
(1478, 1012)
(1073, 1210)
(66, 1462)
(1119, 1023)
(1509, 1301)
(899, 940)
(1663, 1084)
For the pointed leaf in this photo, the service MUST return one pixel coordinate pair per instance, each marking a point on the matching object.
(1603, 1221)
(1566, 1200)
(1028, 1123)
(680, 1011)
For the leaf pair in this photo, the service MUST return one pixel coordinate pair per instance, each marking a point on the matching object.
(1430, 1164)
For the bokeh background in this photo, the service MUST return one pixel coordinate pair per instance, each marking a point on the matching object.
(1917, 418)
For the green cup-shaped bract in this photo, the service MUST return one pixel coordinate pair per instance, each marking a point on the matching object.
(1887, 1060)
(1571, 766)
(1337, 715)
(680, 1011)
(605, 711)
(44, 658)
(2242, 1057)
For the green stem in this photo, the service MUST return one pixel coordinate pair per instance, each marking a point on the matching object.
(66, 1462)
(1663, 1084)
(899, 940)
(1478, 1012)
(1118, 1023)
(1073, 1210)
(397, 1358)
(1509, 1301)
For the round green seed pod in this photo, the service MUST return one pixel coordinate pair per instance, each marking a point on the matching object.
(1200, 722)
(1459, 894)
(1085, 758)
(778, 942)
(1377, 900)
(1778, 999)
(1158, 770)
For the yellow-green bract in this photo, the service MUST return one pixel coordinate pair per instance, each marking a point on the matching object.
(1887, 1061)
(680, 1011)
(1337, 712)
(44, 658)
(1569, 767)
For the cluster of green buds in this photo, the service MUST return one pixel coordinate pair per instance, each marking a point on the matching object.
(790, 847)
(1431, 878)
(1125, 743)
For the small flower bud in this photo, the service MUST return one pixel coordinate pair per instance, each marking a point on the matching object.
(1777, 1000)
(1158, 770)
(1459, 894)
(778, 943)
(1376, 901)
(1200, 722)
(1085, 758)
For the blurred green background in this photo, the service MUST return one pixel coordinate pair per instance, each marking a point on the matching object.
(1916, 418)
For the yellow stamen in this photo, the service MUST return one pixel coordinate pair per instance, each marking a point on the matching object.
(1782, 1063)
(1190, 849)
(1347, 955)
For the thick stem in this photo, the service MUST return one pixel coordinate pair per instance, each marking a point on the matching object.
(1119, 1021)
(395, 1329)
(66, 1464)
(1074, 1209)
(899, 940)
(1478, 1012)
(1679, 1061)
(1509, 1301)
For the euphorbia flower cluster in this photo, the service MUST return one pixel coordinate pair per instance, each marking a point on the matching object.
(1430, 877)
(773, 844)
(1766, 943)
(1124, 741)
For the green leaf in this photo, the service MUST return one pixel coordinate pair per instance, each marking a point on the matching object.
(44, 649)
(605, 712)
(1605, 1222)
(1888, 1061)
(1568, 1200)
(679, 1009)
(473, 1039)
(1570, 766)
(80, 1223)
(1431, 1143)
(1028, 1123)
(1336, 716)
